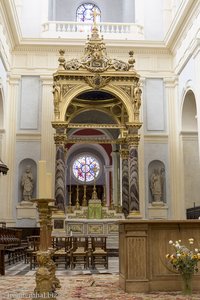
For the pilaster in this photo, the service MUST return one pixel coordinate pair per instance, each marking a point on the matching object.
(9, 150)
(47, 133)
(176, 201)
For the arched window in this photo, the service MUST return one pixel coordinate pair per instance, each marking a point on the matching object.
(85, 11)
(86, 167)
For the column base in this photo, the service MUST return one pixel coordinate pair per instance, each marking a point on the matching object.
(134, 214)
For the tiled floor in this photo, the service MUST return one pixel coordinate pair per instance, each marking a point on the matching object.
(24, 269)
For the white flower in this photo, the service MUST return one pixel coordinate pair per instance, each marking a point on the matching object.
(171, 242)
(196, 250)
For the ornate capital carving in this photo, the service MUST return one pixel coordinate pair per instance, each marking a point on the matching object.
(97, 81)
(133, 127)
(60, 126)
(60, 139)
(133, 140)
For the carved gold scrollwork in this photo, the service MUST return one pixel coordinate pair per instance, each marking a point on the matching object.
(127, 89)
(65, 89)
(97, 81)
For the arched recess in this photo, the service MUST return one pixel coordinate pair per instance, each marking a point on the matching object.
(21, 169)
(157, 182)
(117, 92)
(1, 109)
(104, 159)
(190, 146)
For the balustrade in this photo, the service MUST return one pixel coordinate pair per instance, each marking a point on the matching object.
(62, 29)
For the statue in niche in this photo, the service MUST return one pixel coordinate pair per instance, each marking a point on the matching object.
(27, 184)
(137, 99)
(157, 184)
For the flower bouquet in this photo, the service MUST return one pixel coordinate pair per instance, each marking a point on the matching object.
(184, 261)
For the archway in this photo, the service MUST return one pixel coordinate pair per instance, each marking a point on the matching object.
(190, 151)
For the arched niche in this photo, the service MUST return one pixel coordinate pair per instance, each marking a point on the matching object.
(1, 110)
(156, 182)
(22, 168)
(189, 113)
(190, 148)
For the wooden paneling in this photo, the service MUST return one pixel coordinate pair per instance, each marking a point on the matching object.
(142, 250)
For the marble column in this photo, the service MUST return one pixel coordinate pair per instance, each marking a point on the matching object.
(115, 177)
(125, 178)
(60, 189)
(134, 205)
(60, 174)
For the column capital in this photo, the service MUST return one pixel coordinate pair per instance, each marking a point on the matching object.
(171, 81)
(60, 139)
(133, 140)
(60, 126)
(14, 79)
(133, 126)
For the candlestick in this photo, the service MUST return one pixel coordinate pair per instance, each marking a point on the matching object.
(42, 193)
(49, 185)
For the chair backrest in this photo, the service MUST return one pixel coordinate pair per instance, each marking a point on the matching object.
(33, 242)
(62, 242)
(98, 242)
(80, 242)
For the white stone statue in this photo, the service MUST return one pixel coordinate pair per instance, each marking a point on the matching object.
(27, 184)
(156, 185)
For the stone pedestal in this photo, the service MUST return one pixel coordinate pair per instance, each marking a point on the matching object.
(58, 218)
(26, 210)
(158, 210)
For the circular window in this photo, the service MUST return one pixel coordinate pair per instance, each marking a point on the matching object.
(86, 168)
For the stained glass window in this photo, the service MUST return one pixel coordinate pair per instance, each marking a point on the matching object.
(85, 11)
(86, 168)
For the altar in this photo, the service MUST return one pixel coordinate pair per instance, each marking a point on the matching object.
(143, 245)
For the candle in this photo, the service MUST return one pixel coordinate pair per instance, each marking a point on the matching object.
(42, 179)
(49, 186)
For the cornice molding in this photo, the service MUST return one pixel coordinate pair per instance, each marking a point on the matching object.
(181, 23)
(28, 136)
(11, 22)
(156, 138)
(54, 45)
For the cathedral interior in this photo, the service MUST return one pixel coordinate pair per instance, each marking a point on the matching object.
(98, 132)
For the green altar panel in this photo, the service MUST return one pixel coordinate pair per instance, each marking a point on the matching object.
(94, 209)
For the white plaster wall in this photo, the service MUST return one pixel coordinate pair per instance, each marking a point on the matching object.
(29, 116)
(153, 15)
(31, 17)
(154, 104)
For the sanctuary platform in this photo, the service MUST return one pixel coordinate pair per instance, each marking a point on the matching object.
(92, 220)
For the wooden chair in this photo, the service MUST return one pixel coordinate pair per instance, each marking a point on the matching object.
(99, 254)
(79, 252)
(31, 251)
(62, 247)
